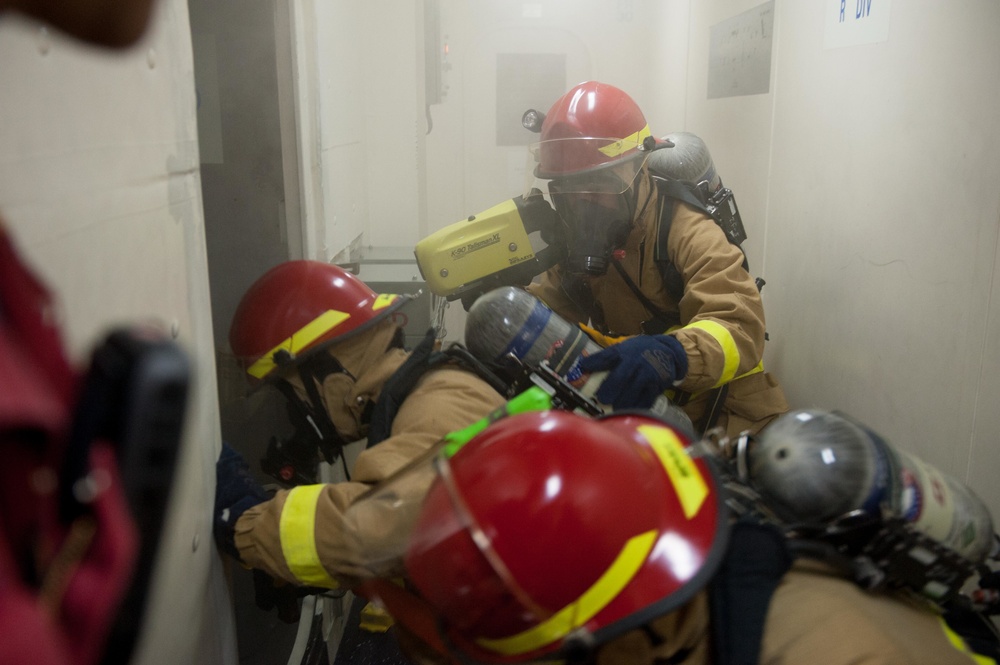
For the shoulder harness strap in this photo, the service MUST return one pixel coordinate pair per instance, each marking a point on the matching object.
(395, 390)
(672, 191)
(422, 359)
(661, 321)
(740, 593)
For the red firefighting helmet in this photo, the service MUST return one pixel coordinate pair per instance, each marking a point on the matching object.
(592, 126)
(302, 306)
(551, 532)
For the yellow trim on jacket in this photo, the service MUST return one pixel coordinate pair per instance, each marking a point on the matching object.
(297, 531)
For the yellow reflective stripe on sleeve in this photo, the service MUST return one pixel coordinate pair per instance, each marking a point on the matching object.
(297, 532)
(593, 600)
(383, 301)
(730, 353)
(690, 486)
(630, 142)
(959, 644)
(302, 338)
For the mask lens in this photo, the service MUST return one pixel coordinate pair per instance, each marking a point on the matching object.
(596, 208)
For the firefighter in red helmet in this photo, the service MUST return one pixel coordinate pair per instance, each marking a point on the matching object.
(327, 335)
(646, 265)
(335, 349)
(486, 555)
(553, 537)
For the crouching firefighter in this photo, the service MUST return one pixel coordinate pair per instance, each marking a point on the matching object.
(328, 342)
(609, 541)
(651, 242)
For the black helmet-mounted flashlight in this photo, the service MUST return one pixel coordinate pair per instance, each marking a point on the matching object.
(532, 120)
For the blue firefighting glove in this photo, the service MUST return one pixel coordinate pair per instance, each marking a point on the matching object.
(236, 490)
(639, 369)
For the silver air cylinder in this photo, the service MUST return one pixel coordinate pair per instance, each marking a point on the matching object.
(688, 160)
(813, 466)
(510, 321)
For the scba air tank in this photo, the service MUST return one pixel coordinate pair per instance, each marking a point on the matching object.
(510, 321)
(813, 466)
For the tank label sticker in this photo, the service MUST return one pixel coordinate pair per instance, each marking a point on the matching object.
(926, 499)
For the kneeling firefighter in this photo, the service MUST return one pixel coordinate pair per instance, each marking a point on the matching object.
(333, 347)
(637, 238)
(652, 254)
(609, 541)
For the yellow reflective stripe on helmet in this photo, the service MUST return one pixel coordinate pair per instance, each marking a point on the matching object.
(593, 600)
(690, 486)
(956, 641)
(297, 532)
(300, 339)
(383, 301)
(630, 142)
(730, 353)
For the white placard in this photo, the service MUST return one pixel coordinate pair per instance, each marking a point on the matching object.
(854, 22)
(739, 53)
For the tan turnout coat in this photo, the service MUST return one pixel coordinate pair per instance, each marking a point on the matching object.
(444, 400)
(815, 618)
(721, 313)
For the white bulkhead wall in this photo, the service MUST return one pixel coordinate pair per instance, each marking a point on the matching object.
(867, 176)
(100, 189)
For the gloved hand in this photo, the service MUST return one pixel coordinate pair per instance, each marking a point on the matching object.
(236, 490)
(639, 369)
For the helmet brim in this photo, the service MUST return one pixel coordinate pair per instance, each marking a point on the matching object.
(660, 570)
(400, 301)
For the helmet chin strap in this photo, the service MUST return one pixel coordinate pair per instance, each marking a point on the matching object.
(317, 369)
